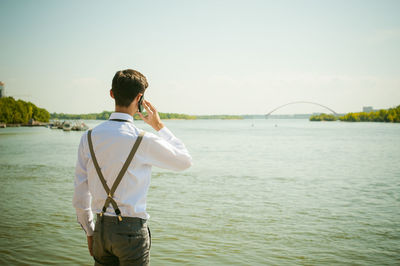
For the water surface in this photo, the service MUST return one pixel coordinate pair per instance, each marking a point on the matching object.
(281, 192)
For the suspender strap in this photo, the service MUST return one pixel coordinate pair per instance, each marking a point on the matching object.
(96, 164)
(110, 192)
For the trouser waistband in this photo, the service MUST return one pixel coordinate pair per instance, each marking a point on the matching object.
(125, 219)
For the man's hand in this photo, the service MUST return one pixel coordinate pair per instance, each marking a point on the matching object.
(152, 118)
(90, 244)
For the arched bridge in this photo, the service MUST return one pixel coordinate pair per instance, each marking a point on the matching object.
(297, 102)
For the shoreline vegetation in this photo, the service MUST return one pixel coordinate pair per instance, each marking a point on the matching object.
(172, 116)
(323, 117)
(391, 115)
(20, 113)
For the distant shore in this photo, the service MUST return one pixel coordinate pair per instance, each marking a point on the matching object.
(16, 113)
(165, 116)
(3, 125)
(391, 115)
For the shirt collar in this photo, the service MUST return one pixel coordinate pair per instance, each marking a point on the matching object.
(124, 116)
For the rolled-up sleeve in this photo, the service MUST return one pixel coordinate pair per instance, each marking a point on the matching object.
(167, 151)
(82, 197)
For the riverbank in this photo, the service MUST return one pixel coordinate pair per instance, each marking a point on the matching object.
(37, 124)
(19, 112)
(164, 116)
(391, 115)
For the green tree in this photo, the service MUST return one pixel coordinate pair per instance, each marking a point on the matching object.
(391, 115)
(19, 112)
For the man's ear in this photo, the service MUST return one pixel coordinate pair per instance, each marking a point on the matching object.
(136, 100)
(138, 96)
(111, 94)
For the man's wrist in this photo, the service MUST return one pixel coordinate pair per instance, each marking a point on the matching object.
(158, 126)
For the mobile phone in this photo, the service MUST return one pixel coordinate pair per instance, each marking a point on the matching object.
(140, 104)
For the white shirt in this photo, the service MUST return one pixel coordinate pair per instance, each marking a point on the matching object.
(112, 142)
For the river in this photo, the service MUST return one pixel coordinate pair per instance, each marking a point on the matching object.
(260, 192)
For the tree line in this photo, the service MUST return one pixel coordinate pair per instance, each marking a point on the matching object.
(20, 112)
(391, 115)
(323, 117)
(92, 116)
(106, 114)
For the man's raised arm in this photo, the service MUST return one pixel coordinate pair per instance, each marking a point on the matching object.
(165, 151)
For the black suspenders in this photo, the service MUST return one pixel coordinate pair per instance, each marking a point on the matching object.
(110, 192)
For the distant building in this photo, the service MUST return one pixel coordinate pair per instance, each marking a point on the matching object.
(2, 88)
(368, 109)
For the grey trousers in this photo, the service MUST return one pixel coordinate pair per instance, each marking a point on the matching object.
(125, 242)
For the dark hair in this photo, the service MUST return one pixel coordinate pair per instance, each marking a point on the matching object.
(126, 85)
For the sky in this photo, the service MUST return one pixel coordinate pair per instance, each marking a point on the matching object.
(203, 57)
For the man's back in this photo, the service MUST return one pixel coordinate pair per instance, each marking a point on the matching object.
(112, 143)
(113, 171)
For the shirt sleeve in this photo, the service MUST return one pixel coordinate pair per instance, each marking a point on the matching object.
(82, 197)
(167, 151)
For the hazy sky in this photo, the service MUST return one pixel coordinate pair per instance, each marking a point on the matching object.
(203, 57)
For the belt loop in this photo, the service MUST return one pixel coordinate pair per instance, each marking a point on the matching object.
(102, 216)
(102, 228)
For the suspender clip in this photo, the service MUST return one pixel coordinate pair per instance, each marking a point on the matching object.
(118, 212)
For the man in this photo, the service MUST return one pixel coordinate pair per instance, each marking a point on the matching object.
(113, 171)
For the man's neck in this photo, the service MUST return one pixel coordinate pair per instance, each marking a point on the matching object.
(126, 110)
